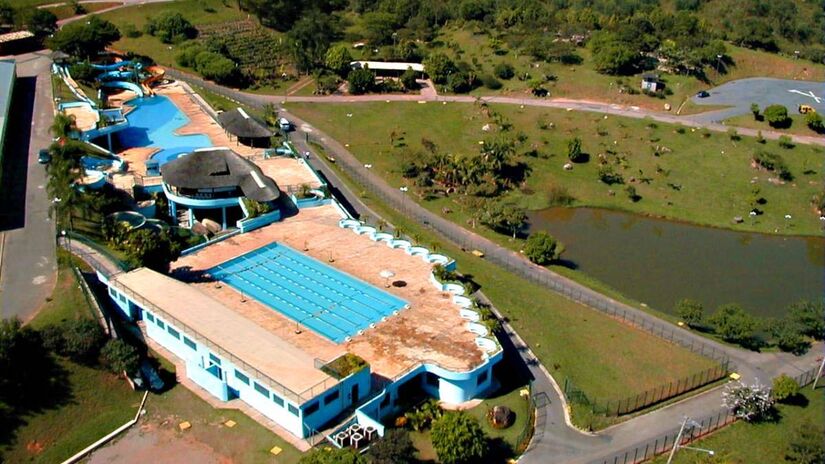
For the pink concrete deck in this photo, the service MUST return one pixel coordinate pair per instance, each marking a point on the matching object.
(84, 118)
(431, 330)
(288, 172)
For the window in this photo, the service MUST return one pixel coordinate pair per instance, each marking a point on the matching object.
(190, 343)
(150, 317)
(173, 332)
(482, 378)
(242, 377)
(278, 400)
(261, 389)
(112, 292)
(161, 324)
(293, 409)
(214, 359)
(311, 409)
(122, 297)
(331, 397)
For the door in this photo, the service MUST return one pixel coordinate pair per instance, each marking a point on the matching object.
(354, 394)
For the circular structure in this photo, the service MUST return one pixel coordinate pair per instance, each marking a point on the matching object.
(500, 417)
(133, 219)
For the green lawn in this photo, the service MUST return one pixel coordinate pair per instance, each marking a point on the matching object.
(96, 401)
(703, 180)
(798, 126)
(604, 358)
(67, 11)
(764, 443)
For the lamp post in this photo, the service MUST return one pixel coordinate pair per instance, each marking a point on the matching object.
(298, 322)
(676, 444)
(349, 129)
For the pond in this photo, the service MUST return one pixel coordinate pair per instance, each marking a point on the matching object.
(658, 262)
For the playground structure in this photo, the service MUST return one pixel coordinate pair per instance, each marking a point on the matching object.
(129, 75)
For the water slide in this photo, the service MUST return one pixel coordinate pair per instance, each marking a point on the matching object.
(155, 74)
(125, 85)
(113, 66)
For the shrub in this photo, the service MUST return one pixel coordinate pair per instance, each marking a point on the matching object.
(805, 446)
(777, 116)
(85, 39)
(408, 79)
(439, 67)
(784, 388)
(610, 176)
(755, 112)
(409, 170)
(216, 67)
(82, 339)
(815, 122)
(395, 447)
(361, 81)
(129, 30)
(773, 162)
(690, 311)
(558, 195)
(490, 82)
(788, 337)
(187, 54)
(330, 455)
(119, 357)
(458, 83)
(326, 82)
(338, 59)
(504, 71)
(785, 141)
(541, 248)
(82, 71)
(170, 27)
(810, 316)
(458, 438)
(632, 193)
(748, 402)
(574, 150)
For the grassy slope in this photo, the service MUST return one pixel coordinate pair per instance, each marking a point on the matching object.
(583, 82)
(99, 402)
(765, 443)
(602, 356)
(194, 10)
(715, 187)
(798, 126)
(67, 11)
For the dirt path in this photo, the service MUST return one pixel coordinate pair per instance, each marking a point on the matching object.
(158, 445)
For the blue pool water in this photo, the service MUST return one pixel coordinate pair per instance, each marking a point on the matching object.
(319, 297)
(153, 122)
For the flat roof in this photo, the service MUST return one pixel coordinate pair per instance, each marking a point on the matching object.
(218, 326)
(388, 65)
(12, 36)
(7, 76)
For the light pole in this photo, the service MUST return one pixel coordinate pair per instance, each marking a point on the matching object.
(298, 322)
(349, 129)
(676, 444)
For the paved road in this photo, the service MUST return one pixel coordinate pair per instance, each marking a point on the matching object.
(740, 94)
(28, 268)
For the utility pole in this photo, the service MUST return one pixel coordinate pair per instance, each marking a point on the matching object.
(677, 445)
(818, 373)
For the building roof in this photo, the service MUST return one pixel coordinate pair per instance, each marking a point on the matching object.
(217, 167)
(12, 36)
(7, 76)
(250, 347)
(237, 122)
(388, 65)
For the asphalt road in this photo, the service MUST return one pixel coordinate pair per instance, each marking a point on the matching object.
(28, 269)
(740, 94)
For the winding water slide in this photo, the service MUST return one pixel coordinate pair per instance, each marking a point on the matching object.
(156, 73)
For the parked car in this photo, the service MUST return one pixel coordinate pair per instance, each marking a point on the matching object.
(44, 157)
(284, 124)
(703, 94)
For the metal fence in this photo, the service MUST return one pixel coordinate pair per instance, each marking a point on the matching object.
(664, 442)
(663, 392)
(526, 434)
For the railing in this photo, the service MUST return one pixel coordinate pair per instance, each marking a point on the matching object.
(147, 181)
(526, 434)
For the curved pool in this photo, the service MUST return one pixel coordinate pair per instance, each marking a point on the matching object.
(153, 123)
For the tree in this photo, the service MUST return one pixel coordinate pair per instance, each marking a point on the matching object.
(338, 60)
(395, 447)
(408, 79)
(458, 438)
(85, 39)
(439, 67)
(170, 27)
(616, 58)
(378, 27)
(41, 22)
(331, 455)
(504, 71)
(24, 364)
(277, 14)
(310, 37)
(541, 248)
(458, 82)
(119, 357)
(82, 339)
(7, 14)
(756, 112)
(361, 81)
(815, 122)
(748, 402)
(574, 150)
(787, 335)
(326, 82)
(216, 67)
(690, 311)
(503, 217)
(784, 388)
(777, 116)
(810, 316)
(805, 446)
(733, 324)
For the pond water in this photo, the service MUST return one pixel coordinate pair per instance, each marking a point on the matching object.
(658, 262)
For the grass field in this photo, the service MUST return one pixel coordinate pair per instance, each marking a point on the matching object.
(798, 125)
(96, 401)
(67, 11)
(762, 443)
(700, 177)
(603, 357)
(583, 82)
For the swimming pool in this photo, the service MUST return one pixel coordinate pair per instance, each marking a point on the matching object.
(153, 122)
(305, 290)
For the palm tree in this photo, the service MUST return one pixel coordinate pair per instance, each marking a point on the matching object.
(63, 125)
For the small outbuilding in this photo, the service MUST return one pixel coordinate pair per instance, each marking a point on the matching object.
(652, 83)
(248, 130)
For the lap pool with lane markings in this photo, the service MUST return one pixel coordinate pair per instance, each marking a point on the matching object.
(328, 301)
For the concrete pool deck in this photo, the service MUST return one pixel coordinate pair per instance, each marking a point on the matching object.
(430, 331)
